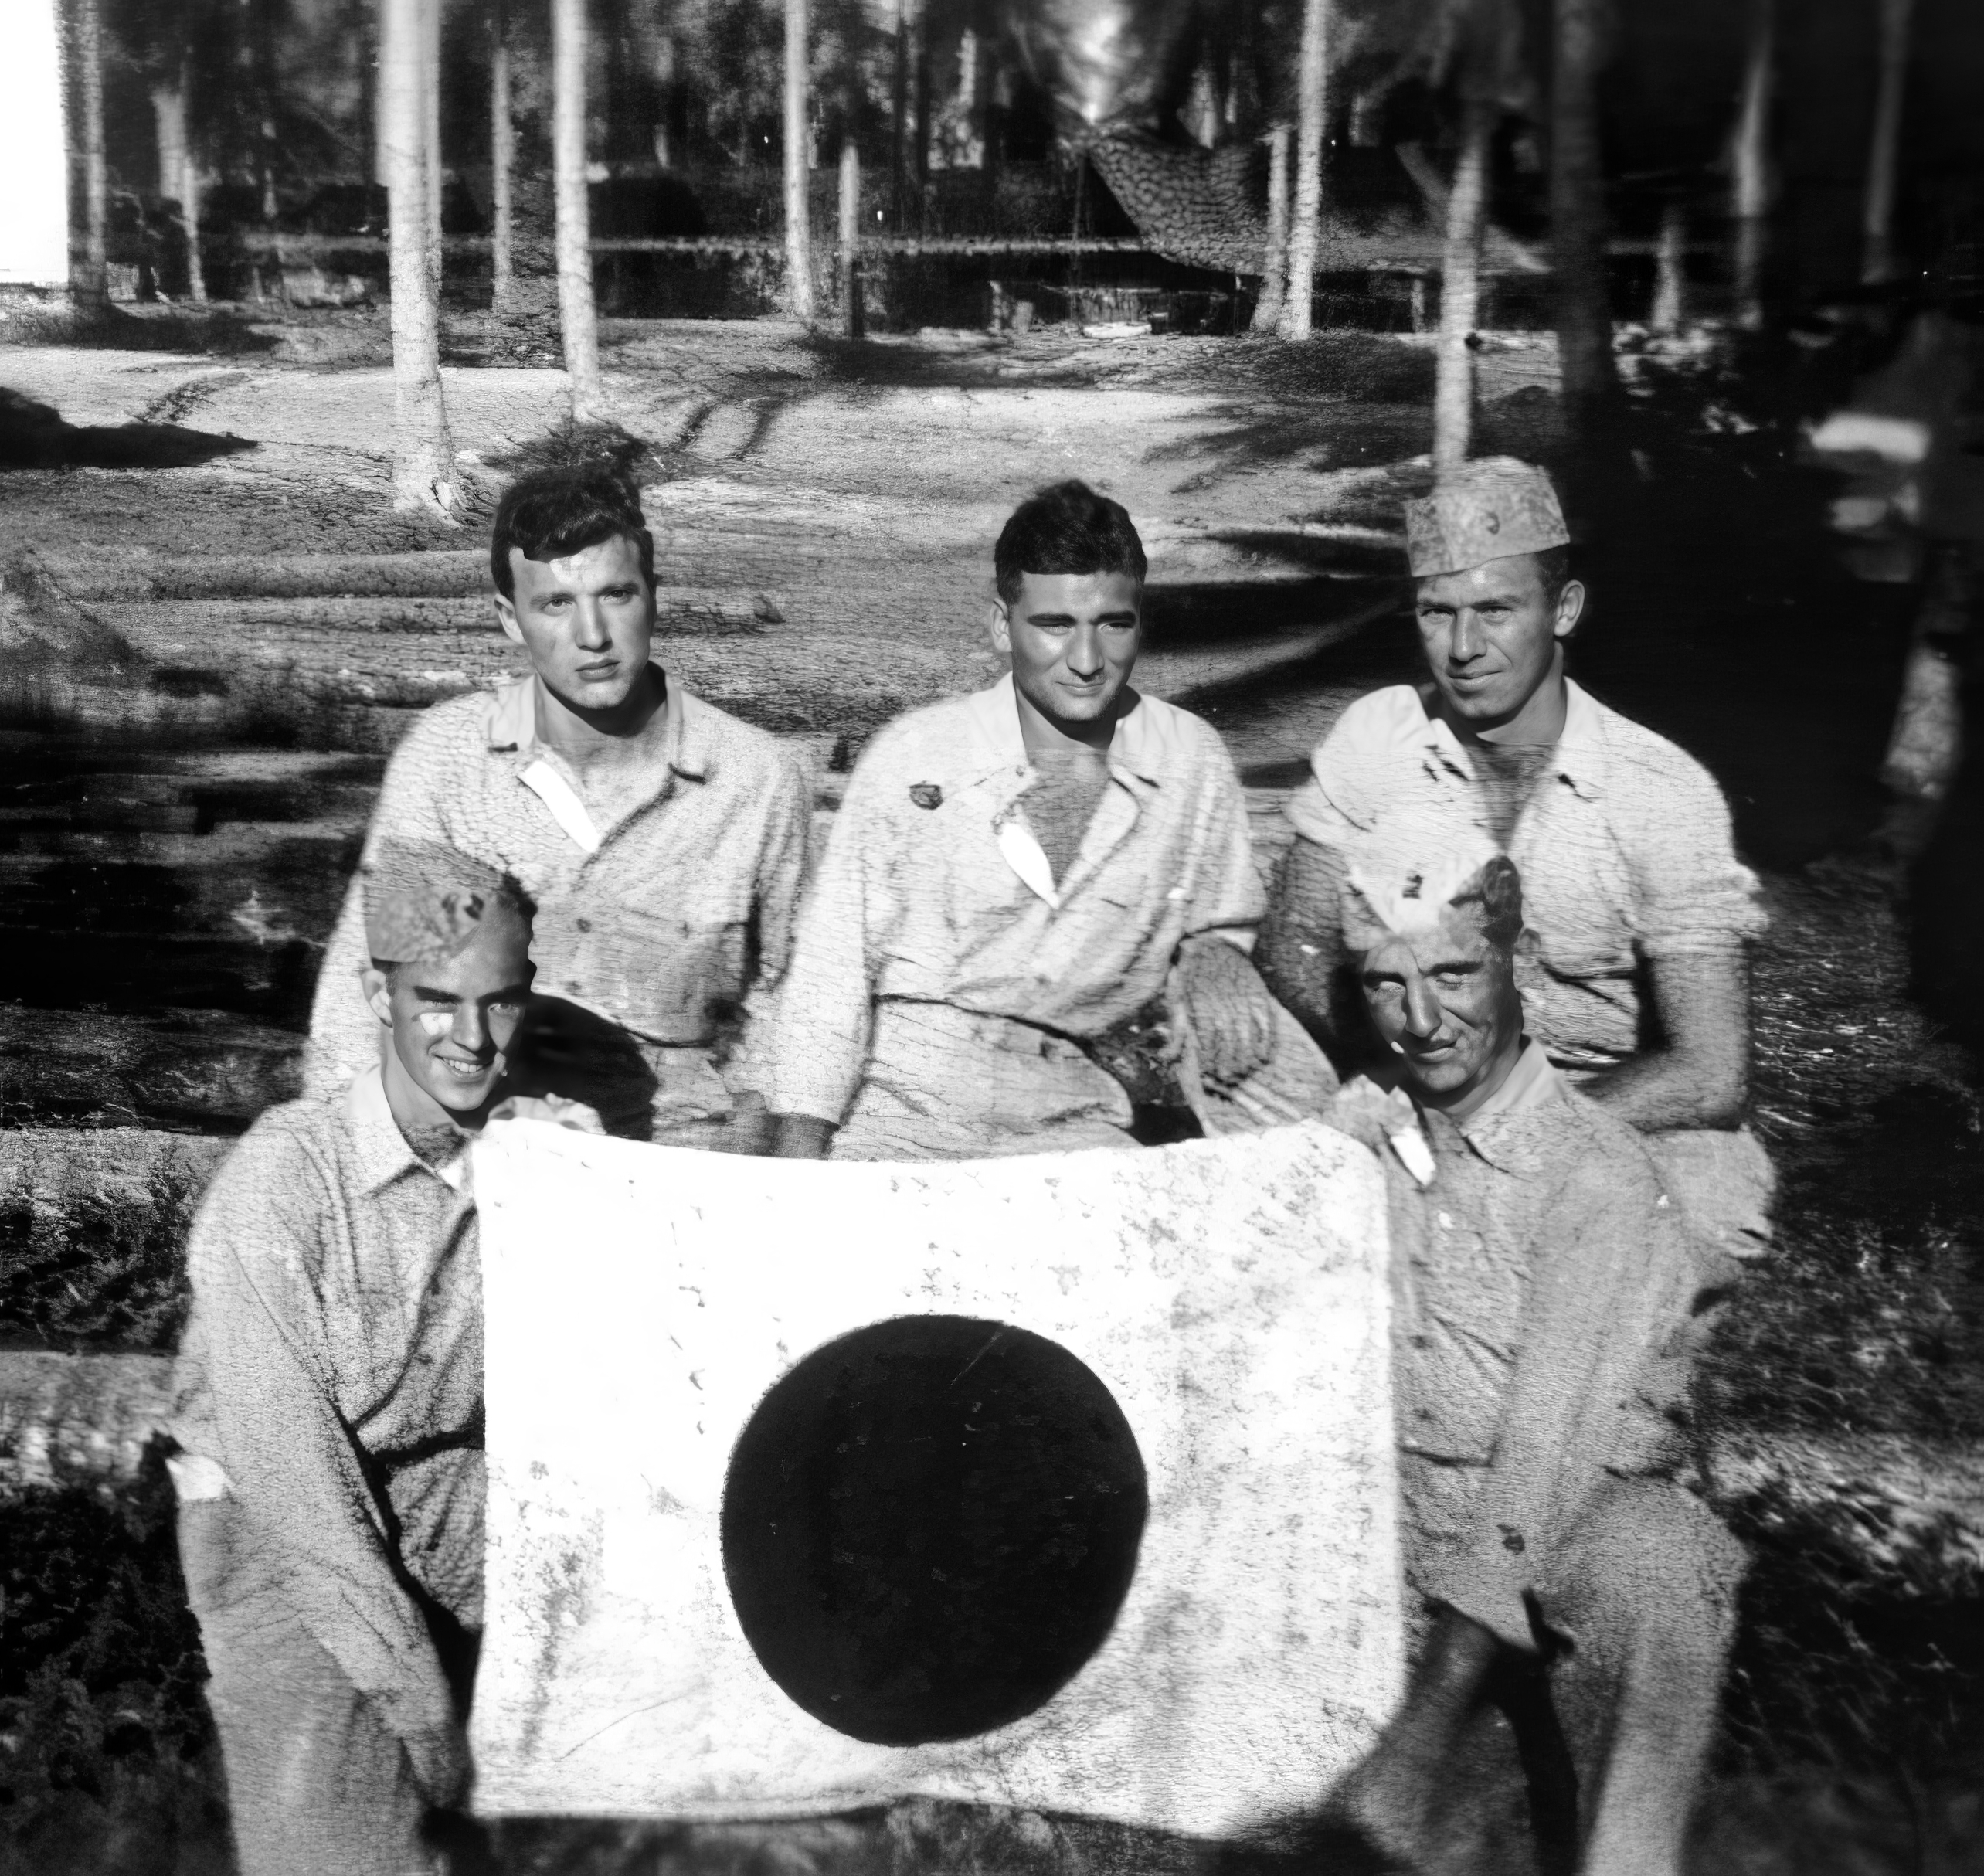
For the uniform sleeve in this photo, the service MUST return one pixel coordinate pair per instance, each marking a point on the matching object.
(780, 883)
(826, 1016)
(1600, 1364)
(1339, 797)
(1226, 898)
(1692, 895)
(343, 1033)
(256, 1399)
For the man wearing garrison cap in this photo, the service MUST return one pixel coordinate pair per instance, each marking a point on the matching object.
(1635, 977)
(1547, 1297)
(328, 1400)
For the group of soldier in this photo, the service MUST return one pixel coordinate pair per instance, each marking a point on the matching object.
(1505, 949)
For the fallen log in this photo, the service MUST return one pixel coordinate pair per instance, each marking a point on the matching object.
(199, 1069)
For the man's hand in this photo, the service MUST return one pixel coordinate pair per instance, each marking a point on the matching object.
(1232, 1017)
(439, 1757)
(800, 1136)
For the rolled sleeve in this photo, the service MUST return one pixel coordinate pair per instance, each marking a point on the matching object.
(825, 1018)
(1693, 896)
(779, 886)
(1229, 899)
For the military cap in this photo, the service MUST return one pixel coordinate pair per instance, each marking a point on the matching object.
(1408, 899)
(1485, 510)
(424, 901)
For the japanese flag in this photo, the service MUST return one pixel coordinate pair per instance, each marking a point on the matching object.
(1062, 1483)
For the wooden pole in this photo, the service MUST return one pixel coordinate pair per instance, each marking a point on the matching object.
(502, 161)
(1670, 272)
(1274, 278)
(852, 322)
(1460, 291)
(423, 472)
(1877, 259)
(798, 212)
(1749, 165)
(1306, 229)
(1578, 213)
(578, 316)
(89, 273)
(430, 126)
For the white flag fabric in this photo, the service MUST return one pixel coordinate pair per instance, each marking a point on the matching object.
(1064, 1483)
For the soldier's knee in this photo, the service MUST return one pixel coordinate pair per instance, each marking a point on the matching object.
(1653, 1555)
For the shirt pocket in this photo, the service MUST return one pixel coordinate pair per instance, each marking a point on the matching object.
(672, 979)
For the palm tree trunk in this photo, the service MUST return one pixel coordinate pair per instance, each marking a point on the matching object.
(851, 238)
(1670, 295)
(1749, 165)
(1305, 227)
(502, 158)
(1274, 276)
(431, 131)
(1578, 214)
(1876, 222)
(168, 124)
(423, 472)
(1460, 291)
(899, 106)
(577, 315)
(90, 270)
(798, 214)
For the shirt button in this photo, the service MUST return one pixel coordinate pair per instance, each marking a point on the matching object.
(585, 925)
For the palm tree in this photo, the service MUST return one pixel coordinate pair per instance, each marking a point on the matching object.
(502, 161)
(1460, 287)
(798, 138)
(90, 269)
(423, 470)
(1749, 164)
(1877, 251)
(577, 316)
(1274, 276)
(1305, 225)
(1578, 213)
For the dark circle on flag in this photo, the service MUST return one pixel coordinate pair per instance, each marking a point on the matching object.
(929, 1525)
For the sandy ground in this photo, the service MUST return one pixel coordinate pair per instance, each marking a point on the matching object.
(865, 490)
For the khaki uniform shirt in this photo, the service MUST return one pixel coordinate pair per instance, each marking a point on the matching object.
(329, 1388)
(1624, 848)
(670, 917)
(941, 978)
(1545, 1288)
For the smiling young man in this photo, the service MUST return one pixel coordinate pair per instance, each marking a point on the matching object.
(1546, 1302)
(664, 841)
(1636, 982)
(1034, 912)
(328, 1410)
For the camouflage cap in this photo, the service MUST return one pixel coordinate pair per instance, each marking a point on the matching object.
(424, 901)
(1486, 510)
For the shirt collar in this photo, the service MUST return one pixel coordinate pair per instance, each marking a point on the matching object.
(383, 1153)
(1531, 1082)
(1578, 754)
(686, 746)
(1135, 744)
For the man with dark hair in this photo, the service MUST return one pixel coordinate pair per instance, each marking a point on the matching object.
(1547, 1298)
(1635, 981)
(1035, 909)
(663, 841)
(328, 1411)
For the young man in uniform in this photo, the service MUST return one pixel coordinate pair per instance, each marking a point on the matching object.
(664, 841)
(1035, 908)
(1547, 1297)
(1635, 981)
(329, 1399)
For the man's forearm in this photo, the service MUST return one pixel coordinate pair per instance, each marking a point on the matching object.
(1299, 952)
(1698, 1074)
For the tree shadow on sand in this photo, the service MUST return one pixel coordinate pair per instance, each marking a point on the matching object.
(35, 436)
